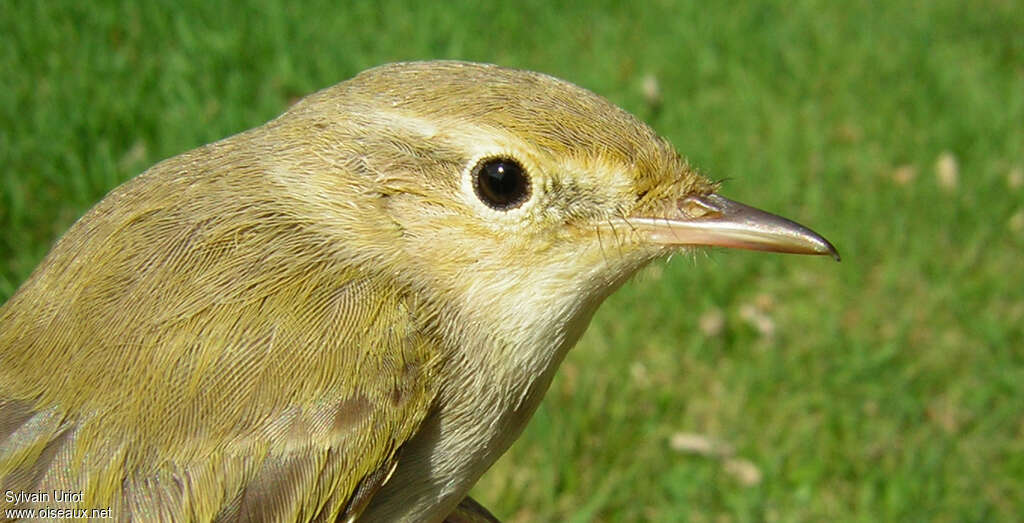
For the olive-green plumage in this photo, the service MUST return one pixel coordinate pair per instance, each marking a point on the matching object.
(319, 318)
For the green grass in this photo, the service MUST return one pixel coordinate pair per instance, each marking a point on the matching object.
(891, 386)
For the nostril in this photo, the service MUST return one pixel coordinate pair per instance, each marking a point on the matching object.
(696, 207)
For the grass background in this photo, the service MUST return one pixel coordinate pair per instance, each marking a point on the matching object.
(727, 386)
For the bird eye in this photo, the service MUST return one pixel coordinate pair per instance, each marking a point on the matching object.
(501, 183)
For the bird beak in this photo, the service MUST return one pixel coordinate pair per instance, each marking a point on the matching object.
(712, 220)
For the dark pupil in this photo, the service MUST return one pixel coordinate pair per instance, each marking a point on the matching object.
(502, 184)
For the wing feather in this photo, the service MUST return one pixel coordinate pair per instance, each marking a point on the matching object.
(195, 350)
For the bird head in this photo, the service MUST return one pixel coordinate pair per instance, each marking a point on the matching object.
(520, 198)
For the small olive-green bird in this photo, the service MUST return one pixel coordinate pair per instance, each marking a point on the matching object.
(348, 313)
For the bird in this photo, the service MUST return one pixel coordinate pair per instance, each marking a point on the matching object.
(347, 313)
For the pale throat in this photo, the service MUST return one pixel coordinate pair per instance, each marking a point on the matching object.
(512, 305)
(492, 388)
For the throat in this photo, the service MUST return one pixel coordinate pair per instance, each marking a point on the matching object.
(489, 392)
